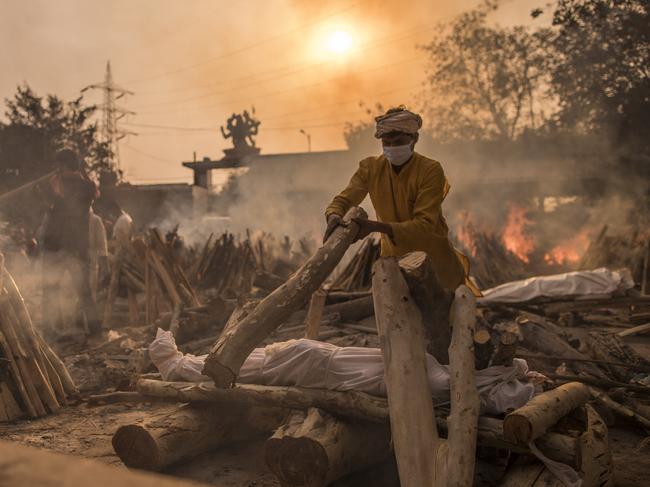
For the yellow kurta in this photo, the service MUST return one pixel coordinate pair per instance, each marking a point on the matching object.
(411, 202)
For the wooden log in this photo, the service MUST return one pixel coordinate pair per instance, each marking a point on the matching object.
(34, 370)
(593, 455)
(529, 472)
(66, 379)
(634, 330)
(349, 404)
(506, 349)
(235, 344)
(25, 466)
(602, 383)
(536, 337)
(315, 313)
(558, 447)
(9, 409)
(171, 437)
(315, 448)
(349, 311)
(157, 265)
(25, 395)
(401, 338)
(432, 300)
(483, 347)
(623, 411)
(637, 367)
(22, 360)
(542, 412)
(267, 280)
(465, 402)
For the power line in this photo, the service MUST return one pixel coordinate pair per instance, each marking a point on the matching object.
(250, 46)
(280, 92)
(315, 109)
(289, 70)
(151, 156)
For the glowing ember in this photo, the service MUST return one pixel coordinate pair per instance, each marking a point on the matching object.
(569, 251)
(514, 234)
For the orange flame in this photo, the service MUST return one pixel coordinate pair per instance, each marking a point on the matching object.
(570, 251)
(514, 234)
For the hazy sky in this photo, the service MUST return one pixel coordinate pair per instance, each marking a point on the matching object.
(191, 63)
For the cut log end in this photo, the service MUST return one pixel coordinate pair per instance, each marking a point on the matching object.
(519, 429)
(297, 461)
(136, 447)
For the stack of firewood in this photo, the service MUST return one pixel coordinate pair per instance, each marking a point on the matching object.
(165, 280)
(33, 380)
(225, 265)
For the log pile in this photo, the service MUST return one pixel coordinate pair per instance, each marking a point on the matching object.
(226, 265)
(34, 381)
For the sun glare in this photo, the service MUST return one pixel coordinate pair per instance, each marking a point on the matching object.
(339, 42)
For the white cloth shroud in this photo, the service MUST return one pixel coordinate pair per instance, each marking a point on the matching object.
(319, 365)
(579, 283)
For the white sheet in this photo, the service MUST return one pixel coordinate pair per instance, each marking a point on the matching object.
(575, 284)
(314, 364)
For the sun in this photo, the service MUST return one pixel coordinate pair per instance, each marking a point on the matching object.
(339, 42)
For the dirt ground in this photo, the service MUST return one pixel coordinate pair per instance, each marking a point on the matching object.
(87, 431)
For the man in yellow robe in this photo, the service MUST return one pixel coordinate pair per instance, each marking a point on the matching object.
(407, 190)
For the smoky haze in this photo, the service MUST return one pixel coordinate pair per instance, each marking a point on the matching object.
(191, 64)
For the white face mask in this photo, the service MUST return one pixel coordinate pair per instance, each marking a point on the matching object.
(398, 155)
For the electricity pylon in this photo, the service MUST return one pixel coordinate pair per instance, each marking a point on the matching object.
(111, 134)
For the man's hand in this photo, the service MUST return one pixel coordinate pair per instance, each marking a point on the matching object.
(366, 227)
(333, 221)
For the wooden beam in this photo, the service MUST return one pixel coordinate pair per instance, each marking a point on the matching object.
(161, 440)
(401, 338)
(236, 343)
(465, 402)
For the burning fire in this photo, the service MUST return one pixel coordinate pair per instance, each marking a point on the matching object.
(514, 234)
(569, 251)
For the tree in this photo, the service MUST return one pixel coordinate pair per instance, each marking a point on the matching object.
(36, 128)
(601, 68)
(486, 82)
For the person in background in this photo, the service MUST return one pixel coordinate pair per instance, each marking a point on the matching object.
(67, 233)
(407, 190)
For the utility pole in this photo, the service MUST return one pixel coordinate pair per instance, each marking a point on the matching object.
(308, 135)
(111, 114)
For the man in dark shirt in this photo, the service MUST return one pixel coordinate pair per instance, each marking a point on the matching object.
(66, 237)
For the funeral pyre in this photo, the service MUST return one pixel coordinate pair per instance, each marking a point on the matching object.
(231, 306)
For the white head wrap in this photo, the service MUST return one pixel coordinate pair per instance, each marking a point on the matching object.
(401, 121)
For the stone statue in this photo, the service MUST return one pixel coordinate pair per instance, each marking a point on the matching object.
(242, 128)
